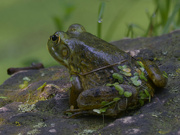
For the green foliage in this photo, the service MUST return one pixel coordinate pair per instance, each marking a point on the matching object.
(127, 94)
(60, 21)
(125, 70)
(3, 97)
(140, 64)
(144, 95)
(116, 99)
(148, 95)
(165, 18)
(118, 76)
(165, 74)
(131, 27)
(120, 89)
(106, 105)
(142, 76)
(24, 85)
(42, 86)
(135, 80)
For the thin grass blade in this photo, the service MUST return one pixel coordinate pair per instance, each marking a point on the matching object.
(100, 18)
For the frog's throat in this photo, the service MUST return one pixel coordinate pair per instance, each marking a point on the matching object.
(118, 63)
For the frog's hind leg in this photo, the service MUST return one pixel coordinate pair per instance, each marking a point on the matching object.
(90, 101)
(92, 98)
(154, 73)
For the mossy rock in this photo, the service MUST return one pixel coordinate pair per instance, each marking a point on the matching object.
(160, 116)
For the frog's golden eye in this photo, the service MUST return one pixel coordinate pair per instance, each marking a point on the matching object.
(55, 38)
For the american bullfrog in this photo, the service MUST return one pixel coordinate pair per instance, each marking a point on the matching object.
(105, 80)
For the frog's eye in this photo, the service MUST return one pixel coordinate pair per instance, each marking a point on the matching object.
(55, 38)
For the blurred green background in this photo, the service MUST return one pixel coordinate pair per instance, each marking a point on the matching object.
(25, 25)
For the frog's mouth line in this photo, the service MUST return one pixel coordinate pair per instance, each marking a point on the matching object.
(103, 68)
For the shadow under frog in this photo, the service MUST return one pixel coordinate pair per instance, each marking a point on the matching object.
(104, 78)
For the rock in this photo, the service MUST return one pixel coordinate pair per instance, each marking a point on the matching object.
(177, 53)
(34, 101)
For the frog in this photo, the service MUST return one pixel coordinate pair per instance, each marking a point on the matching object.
(105, 80)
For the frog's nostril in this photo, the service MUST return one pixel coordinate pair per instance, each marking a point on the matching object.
(54, 37)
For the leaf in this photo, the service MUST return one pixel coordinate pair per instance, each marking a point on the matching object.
(164, 132)
(24, 85)
(116, 83)
(97, 111)
(171, 18)
(141, 102)
(165, 74)
(42, 86)
(134, 78)
(120, 89)
(127, 70)
(143, 96)
(147, 93)
(72, 78)
(126, 73)
(108, 84)
(116, 99)
(142, 69)
(136, 74)
(2, 97)
(142, 76)
(135, 81)
(68, 113)
(104, 103)
(118, 76)
(100, 18)
(58, 22)
(140, 63)
(127, 94)
(122, 67)
(103, 109)
(26, 79)
(101, 11)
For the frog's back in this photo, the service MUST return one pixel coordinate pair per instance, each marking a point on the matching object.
(101, 49)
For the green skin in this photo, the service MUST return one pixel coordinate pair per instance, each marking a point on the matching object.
(91, 62)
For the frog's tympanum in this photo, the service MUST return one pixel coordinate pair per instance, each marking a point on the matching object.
(105, 80)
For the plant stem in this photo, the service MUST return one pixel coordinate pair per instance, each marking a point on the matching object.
(101, 11)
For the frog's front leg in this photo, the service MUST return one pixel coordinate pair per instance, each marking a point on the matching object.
(75, 90)
(154, 73)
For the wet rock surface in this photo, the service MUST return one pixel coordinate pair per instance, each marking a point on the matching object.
(38, 107)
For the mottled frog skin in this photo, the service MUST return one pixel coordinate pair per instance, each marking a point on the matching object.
(91, 62)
